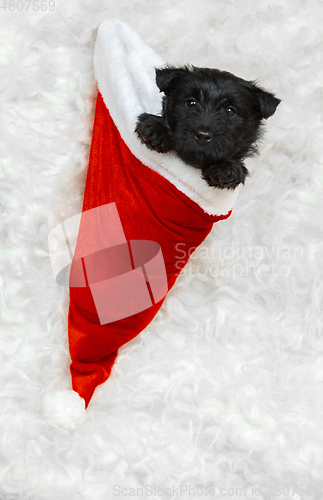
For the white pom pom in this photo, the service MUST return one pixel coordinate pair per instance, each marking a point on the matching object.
(65, 409)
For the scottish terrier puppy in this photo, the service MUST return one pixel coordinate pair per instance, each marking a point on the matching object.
(211, 119)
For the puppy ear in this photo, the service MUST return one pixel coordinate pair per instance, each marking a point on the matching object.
(267, 101)
(166, 77)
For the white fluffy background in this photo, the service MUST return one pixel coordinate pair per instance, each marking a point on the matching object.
(225, 389)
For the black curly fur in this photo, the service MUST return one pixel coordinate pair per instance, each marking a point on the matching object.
(211, 119)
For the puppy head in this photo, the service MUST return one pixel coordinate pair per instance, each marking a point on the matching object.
(213, 117)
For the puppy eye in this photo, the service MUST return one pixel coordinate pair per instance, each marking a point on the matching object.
(231, 111)
(190, 103)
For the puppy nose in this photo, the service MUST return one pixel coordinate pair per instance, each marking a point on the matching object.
(203, 136)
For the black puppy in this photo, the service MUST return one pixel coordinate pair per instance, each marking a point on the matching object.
(210, 118)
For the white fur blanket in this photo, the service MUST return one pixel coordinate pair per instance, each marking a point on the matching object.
(222, 395)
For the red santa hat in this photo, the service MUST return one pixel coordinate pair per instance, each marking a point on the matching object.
(138, 206)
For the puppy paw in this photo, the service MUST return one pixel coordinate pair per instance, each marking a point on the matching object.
(153, 132)
(226, 174)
